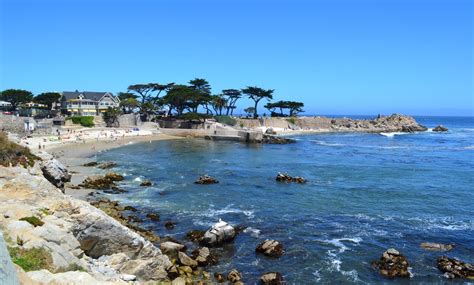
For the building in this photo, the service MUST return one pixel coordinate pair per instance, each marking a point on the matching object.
(5, 105)
(87, 103)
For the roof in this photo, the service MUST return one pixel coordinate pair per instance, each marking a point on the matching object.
(87, 95)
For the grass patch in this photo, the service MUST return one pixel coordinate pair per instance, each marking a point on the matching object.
(71, 267)
(31, 259)
(85, 121)
(14, 154)
(226, 120)
(291, 120)
(35, 221)
(45, 211)
(194, 116)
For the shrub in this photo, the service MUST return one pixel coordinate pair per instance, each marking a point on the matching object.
(33, 220)
(291, 120)
(226, 120)
(85, 121)
(31, 259)
(14, 154)
(194, 116)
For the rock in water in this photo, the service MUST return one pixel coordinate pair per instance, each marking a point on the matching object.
(270, 131)
(440, 128)
(271, 248)
(436, 246)
(234, 276)
(204, 257)
(276, 140)
(146, 183)
(218, 234)
(171, 249)
(454, 268)
(219, 277)
(272, 278)
(107, 165)
(186, 260)
(195, 235)
(90, 164)
(54, 171)
(284, 177)
(206, 179)
(97, 182)
(114, 176)
(392, 264)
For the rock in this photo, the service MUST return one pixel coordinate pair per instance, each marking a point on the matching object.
(171, 249)
(170, 225)
(284, 177)
(272, 278)
(114, 176)
(107, 165)
(436, 246)
(271, 248)
(270, 131)
(90, 164)
(129, 208)
(146, 183)
(276, 140)
(204, 257)
(128, 277)
(179, 281)
(153, 217)
(70, 278)
(206, 179)
(218, 234)
(186, 260)
(219, 277)
(195, 235)
(97, 182)
(173, 272)
(54, 171)
(392, 264)
(454, 268)
(234, 276)
(440, 128)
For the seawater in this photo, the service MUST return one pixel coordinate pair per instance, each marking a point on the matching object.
(365, 193)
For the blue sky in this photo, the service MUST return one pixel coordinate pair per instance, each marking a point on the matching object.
(338, 57)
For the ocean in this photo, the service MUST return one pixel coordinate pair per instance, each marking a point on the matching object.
(365, 193)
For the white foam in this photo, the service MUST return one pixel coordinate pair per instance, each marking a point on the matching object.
(391, 135)
(253, 232)
(326, 143)
(138, 179)
(471, 147)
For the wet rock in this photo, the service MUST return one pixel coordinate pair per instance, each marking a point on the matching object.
(97, 182)
(276, 140)
(218, 234)
(107, 165)
(195, 235)
(454, 268)
(171, 249)
(392, 264)
(234, 276)
(270, 131)
(91, 164)
(440, 128)
(204, 257)
(186, 260)
(284, 177)
(130, 208)
(153, 217)
(146, 183)
(436, 246)
(219, 277)
(271, 248)
(206, 179)
(114, 176)
(272, 278)
(170, 225)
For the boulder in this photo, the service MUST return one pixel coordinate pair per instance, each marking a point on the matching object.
(90, 164)
(171, 249)
(97, 182)
(107, 165)
(113, 176)
(219, 277)
(392, 264)
(204, 257)
(195, 235)
(206, 179)
(271, 248)
(218, 234)
(454, 268)
(272, 278)
(234, 276)
(440, 128)
(179, 281)
(436, 246)
(270, 131)
(186, 260)
(54, 171)
(284, 177)
(146, 183)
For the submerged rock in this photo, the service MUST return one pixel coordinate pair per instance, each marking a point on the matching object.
(195, 235)
(107, 165)
(272, 278)
(440, 128)
(146, 183)
(284, 177)
(97, 182)
(218, 234)
(392, 264)
(170, 225)
(271, 248)
(206, 179)
(436, 246)
(454, 268)
(153, 217)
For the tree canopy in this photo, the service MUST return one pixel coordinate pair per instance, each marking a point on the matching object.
(16, 97)
(47, 98)
(256, 94)
(292, 106)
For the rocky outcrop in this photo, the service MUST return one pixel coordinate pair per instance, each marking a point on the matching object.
(392, 123)
(204, 257)
(113, 176)
(392, 264)
(206, 179)
(107, 165)
(271, 248)
(284, 177)
(440, 128)
(171, 249)
(53, 170)
(270, 139)
(98, 182)
(218, 234)
(270, 131)
(436, 246)
(454, 268)
(272, 278)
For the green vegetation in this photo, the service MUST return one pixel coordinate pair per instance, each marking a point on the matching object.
(35, 221)
(44, 211)
(291, 120)
(226, 120)
(47, 98)
(31, 259)
(71, 267)
(194, 116)
(16, 97)
(14, 154)
(293, 107)
(111, 117)
(85, 121)
(256, 94)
